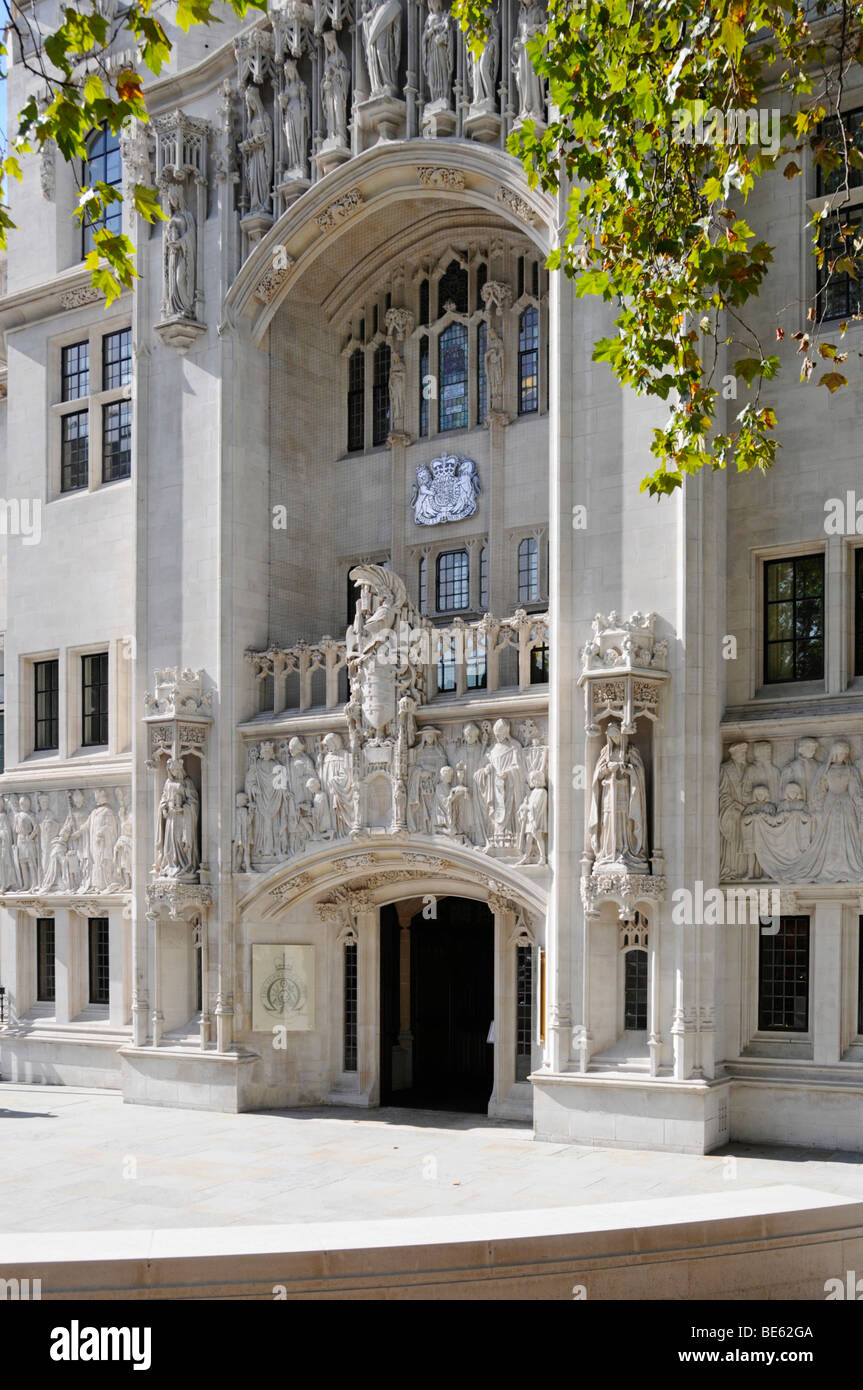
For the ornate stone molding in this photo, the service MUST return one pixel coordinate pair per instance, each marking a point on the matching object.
(517, 205)
(340, 210)
(181, 900)
(625, 889)
(291, 886)
(269, 284)
(76, 299)
(179, 691)
(439, 176)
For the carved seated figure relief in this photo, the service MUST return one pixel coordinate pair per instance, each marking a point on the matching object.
(802, 823)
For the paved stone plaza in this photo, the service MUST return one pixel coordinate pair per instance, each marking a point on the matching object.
(82, 1160)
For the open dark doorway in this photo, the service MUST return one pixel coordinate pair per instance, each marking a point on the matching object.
(437, 1004)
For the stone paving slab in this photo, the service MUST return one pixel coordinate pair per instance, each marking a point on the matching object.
(82, 1160)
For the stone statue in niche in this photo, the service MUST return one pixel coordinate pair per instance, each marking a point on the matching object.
(533, 820)
(180, 249)
(397, 389)
(266, 788)
(483, 71)
(381, 25)
(257, 150)
(500, 782)
(335, 85)
(102, 832)
(618, 805)
(531, 19)
(294, 101)
(26, 844)
(494, 367)
(177, 825)
(438, 52)
(242, 834)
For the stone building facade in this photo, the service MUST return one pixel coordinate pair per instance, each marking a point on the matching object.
(368, 736)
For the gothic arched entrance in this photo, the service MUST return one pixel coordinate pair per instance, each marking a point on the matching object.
(437, 1004)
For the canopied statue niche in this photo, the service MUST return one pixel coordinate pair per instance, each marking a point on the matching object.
(623, 671)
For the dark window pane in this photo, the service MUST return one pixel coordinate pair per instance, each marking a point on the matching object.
(116, 359)
(46, 680)
(424, 301)
(76, 371)
(481, 278)
(351, 1017)
(99, 968)
(528, 571)
(539, 673)
(794, 619)
(75, 451)
(424, 385)
(528, 362)
(103, 165)
(116, 441)
(858, 611)
(45, 986)
(523, 1011)
(452, 581)
(381, 395)
(452, 289)
(94, 699)
(783, 977)
(356, 399)
(453, 377)
(635, 990)
(840, 286)
(834, 179)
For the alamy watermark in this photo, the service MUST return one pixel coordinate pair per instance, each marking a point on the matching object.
(21, 516)
(726, 907)
(710, 126)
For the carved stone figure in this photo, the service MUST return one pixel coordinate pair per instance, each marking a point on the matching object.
(732, 803)
(242, 834)
(397, 389)
(533, 820)
(300, 769)
(381, 24)
(26, 844)
(266, 788)
(294, 101)
(9, 879)
(483, 70)
(835, 854)
(383, 612)
(335, 85)
(102, 830)
(321, 817)
(49, 828)
(760, 806)
(500, 781)
(124, 846)
(428, 760)
(531, 19)
(180, 253)
(177, 825)
(618, 808)
(438, 51)
(471, 755)
(762, 773)
(67, 856)
(494, 367)
(805, 769)
(335, 778)
(257, 150)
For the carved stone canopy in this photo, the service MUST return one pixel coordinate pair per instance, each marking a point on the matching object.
(179, 692)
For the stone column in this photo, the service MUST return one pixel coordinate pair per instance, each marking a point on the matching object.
(654, 1008)
(70, 965)
(504, 1003)
(118, 966)
(825, 955)
(369, 1004)
(140, 1004)
(158, 1017)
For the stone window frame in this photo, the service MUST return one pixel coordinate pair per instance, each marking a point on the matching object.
(514, 536)
(852, 101)
(797, 1045)
(834, 585)
(429, 552)
(70, 704)
(94, 333)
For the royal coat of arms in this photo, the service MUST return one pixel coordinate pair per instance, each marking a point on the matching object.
(445, 490)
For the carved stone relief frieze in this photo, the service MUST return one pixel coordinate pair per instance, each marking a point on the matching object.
(66, 842)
